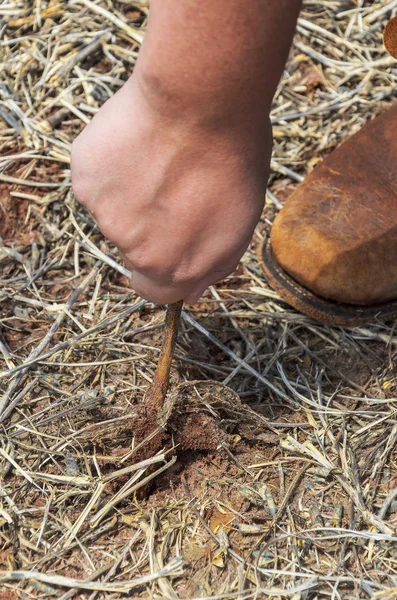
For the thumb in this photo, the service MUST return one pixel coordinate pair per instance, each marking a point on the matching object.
(195, 295)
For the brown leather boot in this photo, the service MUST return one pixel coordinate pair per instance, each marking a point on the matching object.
(333, 247)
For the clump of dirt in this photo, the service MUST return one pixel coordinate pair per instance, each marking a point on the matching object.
(186, 422)
(144, 424)
(196, 432)
(184, 431)
(197, 417)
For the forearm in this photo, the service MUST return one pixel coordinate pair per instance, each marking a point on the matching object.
(219, 61)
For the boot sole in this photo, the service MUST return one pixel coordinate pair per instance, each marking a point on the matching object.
(326, 311)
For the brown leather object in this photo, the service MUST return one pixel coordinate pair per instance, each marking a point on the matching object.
(390, 37)
(326, 311)
(337, 234)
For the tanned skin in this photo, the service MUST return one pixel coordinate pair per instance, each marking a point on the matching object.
(174, 166)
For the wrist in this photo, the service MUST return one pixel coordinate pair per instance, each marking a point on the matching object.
(219, 110)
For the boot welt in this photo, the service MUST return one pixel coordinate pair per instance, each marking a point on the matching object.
(321, 309)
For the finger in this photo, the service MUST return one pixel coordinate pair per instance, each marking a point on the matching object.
(198, 290)
(155, 292)
(194, 296)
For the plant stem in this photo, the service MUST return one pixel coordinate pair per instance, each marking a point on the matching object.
(156, 394)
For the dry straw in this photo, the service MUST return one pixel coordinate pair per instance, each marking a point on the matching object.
(297, 498)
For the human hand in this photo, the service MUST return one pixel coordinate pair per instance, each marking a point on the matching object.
(179, 197)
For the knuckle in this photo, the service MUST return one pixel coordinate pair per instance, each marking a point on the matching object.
(75, 156)
(80, 188)
(182, 278)
(80, 191)
(80, 180)
(144, 264)
(163, 272)
(147, 259)
(185, 276)
(106, 228)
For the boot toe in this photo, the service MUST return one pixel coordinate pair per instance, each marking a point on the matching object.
(337, 234)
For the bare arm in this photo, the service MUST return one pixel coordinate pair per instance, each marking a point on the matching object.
(174, 166)
(217, 61)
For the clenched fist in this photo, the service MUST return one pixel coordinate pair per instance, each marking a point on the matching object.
(174, 166)
(178, 199)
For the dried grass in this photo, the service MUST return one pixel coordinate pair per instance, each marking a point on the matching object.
(299, 500)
